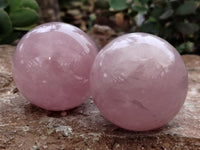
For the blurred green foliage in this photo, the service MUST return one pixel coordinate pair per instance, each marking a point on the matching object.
(177, 21)
(16, 17)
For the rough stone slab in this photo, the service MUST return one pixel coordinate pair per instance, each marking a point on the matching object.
(26, 127)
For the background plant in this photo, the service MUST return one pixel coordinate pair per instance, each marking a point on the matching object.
(78, 12)
(16, 17)
(177, 21)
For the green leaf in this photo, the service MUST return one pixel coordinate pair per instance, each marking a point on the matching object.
(118, 4)
(187, 47)
(102, 4)
(30, 4)
(27, 28)
(3, 4)
(10, 38)
(5, 25)
(168, 13)
(140, 9)
(150, 27)
(13, 4)
(23, 17)
(156, 12)
(181, 48)
(187, 7)
(143, 2)
(152, 19)
(188, 28)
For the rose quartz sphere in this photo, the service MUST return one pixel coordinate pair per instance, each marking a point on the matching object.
(139, 81)
(51, 66)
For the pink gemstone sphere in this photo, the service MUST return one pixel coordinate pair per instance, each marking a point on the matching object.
(139, 81)
(51, 66)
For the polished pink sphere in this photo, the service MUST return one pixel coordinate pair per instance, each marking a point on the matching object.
(51, 66)
(139, 81)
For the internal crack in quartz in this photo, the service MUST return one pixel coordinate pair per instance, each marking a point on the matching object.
(139, 104)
